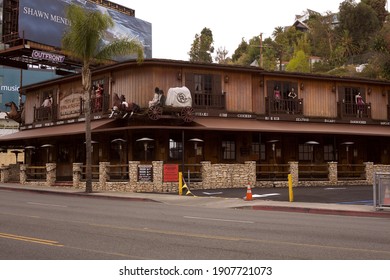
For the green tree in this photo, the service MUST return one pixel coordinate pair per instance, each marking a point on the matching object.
(222, 57)
(240, 51)
(299, 63)
(202, 47)
(379, 6)
(321, 35)
(360, 21)
(83, 41)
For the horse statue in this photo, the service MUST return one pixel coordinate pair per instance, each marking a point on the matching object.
(122, 108)
(15, 114)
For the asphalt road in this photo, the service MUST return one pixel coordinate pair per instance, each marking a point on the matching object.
(359, 195)
(39, 226)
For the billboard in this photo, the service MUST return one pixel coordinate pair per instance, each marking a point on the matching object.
(45, 22)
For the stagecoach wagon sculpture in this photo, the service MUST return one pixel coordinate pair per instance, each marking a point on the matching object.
(178, 103)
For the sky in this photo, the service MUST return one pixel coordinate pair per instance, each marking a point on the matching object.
(176, 22)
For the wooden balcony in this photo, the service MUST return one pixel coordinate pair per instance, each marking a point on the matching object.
(45, 113)
(209, 101)
(284, 106)
(98, 104)
(352, 110)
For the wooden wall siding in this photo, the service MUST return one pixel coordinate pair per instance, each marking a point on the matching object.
(138, 85)
(238, 93)
(378, 102)
(318, 99)
(258, 98)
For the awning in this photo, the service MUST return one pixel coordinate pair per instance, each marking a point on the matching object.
(57, 130)
(226, 124)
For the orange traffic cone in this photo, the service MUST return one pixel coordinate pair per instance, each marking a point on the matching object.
(248, 193)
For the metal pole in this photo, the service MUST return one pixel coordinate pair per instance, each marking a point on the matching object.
(183, 149)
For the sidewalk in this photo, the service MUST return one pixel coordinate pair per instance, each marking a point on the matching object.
(212, 202)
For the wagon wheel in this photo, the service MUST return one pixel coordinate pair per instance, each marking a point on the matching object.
(187, 114)
(155, 112)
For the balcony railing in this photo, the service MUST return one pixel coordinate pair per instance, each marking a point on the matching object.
(98, 104)
(45, 113)
(284, 106)
(352, 110)
(209, 101)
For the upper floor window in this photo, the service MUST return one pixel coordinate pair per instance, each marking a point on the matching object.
(206, 90)
(281, 89)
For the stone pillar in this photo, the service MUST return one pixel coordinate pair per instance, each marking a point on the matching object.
(250, 167)
(206, 172)
(369, 169)
(51, 174)
(23, 173)
(294, 173)
(332, 173)
(77, 174)
(4, 174)
(104, 170)
(133, 175)
(158, 176)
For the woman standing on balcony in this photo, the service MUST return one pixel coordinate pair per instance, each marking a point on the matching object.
(359, 105)
(277, 97)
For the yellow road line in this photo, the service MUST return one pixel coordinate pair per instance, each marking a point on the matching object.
(30, 239)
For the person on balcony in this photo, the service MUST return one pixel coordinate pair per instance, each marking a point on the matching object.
(156, 97)
(292, 104)
(47, 102)
(98, 98)
(46, 112)
(359, 105)
(277, 98)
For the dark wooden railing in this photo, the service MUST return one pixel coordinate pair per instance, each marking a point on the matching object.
(209, 101)
(98, 104)
(45, 113)
(352, 110)
(272, 172)
(284, 106)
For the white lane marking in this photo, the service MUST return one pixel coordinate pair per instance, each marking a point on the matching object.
(331, 189)
(218, 220)
(44, 204)
(212, 193)
(265, 195)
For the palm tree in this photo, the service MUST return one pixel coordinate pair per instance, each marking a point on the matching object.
(83, 41)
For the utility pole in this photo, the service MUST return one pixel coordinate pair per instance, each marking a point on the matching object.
(261, 50)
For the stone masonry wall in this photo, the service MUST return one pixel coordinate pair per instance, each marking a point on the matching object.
(214, 176)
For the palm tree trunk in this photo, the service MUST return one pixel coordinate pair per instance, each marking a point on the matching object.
(87, 79)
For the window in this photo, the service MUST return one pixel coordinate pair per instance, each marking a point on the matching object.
(305, 152)
(206, 90)
(329, 153)
(175, 149)
(258, 150)
(284, 87)
(228, 150)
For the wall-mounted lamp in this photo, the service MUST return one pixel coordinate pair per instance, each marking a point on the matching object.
(302, 86)
(369, 90)
(226, 79)
(333, 88)
(179, 76)
(261, 83)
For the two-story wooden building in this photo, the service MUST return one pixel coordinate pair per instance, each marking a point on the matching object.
(238, 114)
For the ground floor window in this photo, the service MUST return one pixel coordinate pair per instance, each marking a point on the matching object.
(175, 149)
(305, 152)
(228, 150)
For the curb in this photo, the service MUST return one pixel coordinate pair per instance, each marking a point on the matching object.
(96, 195)
(307, 210)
